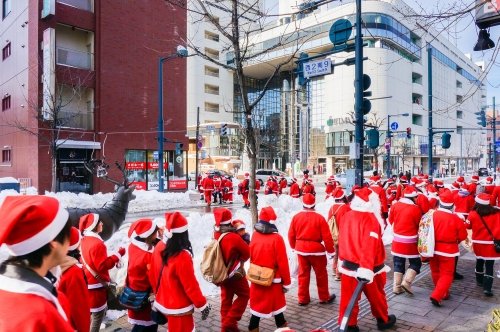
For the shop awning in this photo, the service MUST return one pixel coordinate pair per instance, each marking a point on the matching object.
(72, 144)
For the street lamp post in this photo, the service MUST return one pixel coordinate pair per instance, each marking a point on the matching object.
(389, 136)
(180, 53)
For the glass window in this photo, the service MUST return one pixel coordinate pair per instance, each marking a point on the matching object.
(135, 168)
(6, 8)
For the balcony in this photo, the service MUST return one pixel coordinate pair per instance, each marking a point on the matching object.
(74, 58)
(80, 4)
(75, 119)
(75, 107)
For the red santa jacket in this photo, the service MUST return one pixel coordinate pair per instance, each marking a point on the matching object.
(234, 249)
(399, 191)
(73, 287)
(472, 188)
(178, 291)
(257, 186)
(422, 202)
(405, 217)
(339, 210)
(295, 190)
(228, 185)
(464, 204)
(309, 234)
(361, 249)
(95, 257)
(26, 306)
(243, 187)
(139, 259)
(495, 197)
(208, 184)
(268, 250)
(449, 231)
(282, 185)
(488, 188)
(308, 188)
(217, 183)
(329, 190)
(482, 241)
(383, 198)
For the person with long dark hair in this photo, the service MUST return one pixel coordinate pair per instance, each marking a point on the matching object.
(172, 277)
(35, 230)
(484, 220)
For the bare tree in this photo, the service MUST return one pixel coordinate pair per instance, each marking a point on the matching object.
(240, 22)
(56, 112)
(403, 148)
(472, 146)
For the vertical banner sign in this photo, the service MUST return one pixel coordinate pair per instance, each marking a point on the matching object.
(487, 13)
(48, 76)
(49, 8)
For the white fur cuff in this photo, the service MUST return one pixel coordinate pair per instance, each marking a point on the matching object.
(366, 274)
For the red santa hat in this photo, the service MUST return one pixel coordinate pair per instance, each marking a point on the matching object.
(176, 223)
(267, 214)
(160, 222)
(475, 178)
(403, 179)
(446, 199)
(410, 192)
(222, 216)
(366, 200)
(483, 199)
(30, 222)
(426, 176)
(455, 185)
(374, 179)
(464, 188)
(74, 239)
(88, 222)
(338, 194)
(247, 175)
(308, 201)
(238, 224)
(432, 190)
(439, 183)
(355, 188)
(460, 179)
(294, 180)
(142, 228)
(489, 180)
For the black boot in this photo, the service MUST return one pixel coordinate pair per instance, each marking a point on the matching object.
(381, 325)
(479, 278)
(487, 284)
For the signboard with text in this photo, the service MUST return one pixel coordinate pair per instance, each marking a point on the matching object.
(317, 68)
(177, 184)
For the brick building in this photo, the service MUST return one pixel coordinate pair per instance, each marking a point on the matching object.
(87, 70)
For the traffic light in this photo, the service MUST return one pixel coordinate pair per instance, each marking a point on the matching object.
(178, 148)
(300, 68)
(373, 138)
(366, 105)
(223, 129)
(408, 132)
(481, 118)
(446, 141)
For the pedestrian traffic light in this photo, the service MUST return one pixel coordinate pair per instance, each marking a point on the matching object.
(408, 132)
(446, 141)
(366, 105)
(300, 68)
(223, 129)
(178, 148)
(481, 118)
(373, 138)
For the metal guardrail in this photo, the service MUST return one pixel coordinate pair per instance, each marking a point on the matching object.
(74, 58)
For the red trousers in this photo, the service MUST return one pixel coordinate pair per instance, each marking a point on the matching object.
(245, 198)
(442, 269)
(180, 323)
(230, 311)
(374, 293)
(208, 196)
(318, 263)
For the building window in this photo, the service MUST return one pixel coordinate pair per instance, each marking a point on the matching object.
(6, 8)
(6, 103)
(460, 99)
(416, 78)
(212, 107)
(211, 53)
(211, 36)
(6, 51)
(416, 119)
(416, 99)
(460, 114)
(6, 156)
(211, 71)
(212, 89)
(459, 130)
(459, 84)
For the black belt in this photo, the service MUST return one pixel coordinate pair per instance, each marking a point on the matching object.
(354, 266)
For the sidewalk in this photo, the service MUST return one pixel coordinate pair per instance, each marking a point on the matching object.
(466, 310)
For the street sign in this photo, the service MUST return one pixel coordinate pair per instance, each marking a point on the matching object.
(199, 144)
(497, 144)
(497, 149)
(210, 128)
(178, 159)
(394, 126)
(155, 154)
(340, 31)
(317, 68)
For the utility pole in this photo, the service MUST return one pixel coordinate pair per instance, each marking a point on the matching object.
(388, 144)
(197, 148)
(493, 141)
(429, 80)
(358, 111)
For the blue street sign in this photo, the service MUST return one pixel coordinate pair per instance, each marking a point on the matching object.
(497, 149)
(155, 155)
(394, 126)
(497, 144)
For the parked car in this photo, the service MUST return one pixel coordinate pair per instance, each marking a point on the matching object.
(218, 172)
(263, 174)
(483, 171)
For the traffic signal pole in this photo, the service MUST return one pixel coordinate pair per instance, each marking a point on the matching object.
(493, 141)
(358, 112)
(197, 148)
(431, 134)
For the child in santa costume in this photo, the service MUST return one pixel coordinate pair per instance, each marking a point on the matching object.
(235, 251)
(142, 234)
(310, 237)
(449, 231)
(73, 286)
(362, 255)
(35, 231)
(267, 249)
(405, 217)
(172, 277)
(484, 219)
(96, 264)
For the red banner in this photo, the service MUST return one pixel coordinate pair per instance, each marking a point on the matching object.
(154, 165)
(136, 165)
(139, 185)
(177, 184)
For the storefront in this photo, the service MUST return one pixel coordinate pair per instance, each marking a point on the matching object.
(71, 173)
(142, 169)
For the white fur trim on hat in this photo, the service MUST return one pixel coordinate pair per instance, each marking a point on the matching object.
(94, 223)
(373, 206)
(41, 238)
(147, 233)
(168, 233)
(309, 206)
(446, 204)
(481, 201)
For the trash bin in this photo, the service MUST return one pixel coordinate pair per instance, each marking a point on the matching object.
(9, 183)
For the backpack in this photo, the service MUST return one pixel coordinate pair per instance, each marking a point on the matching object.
(426, 239)
(213, 268)
(334, 228)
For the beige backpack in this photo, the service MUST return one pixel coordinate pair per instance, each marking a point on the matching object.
(334, 229)
(213, 268)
